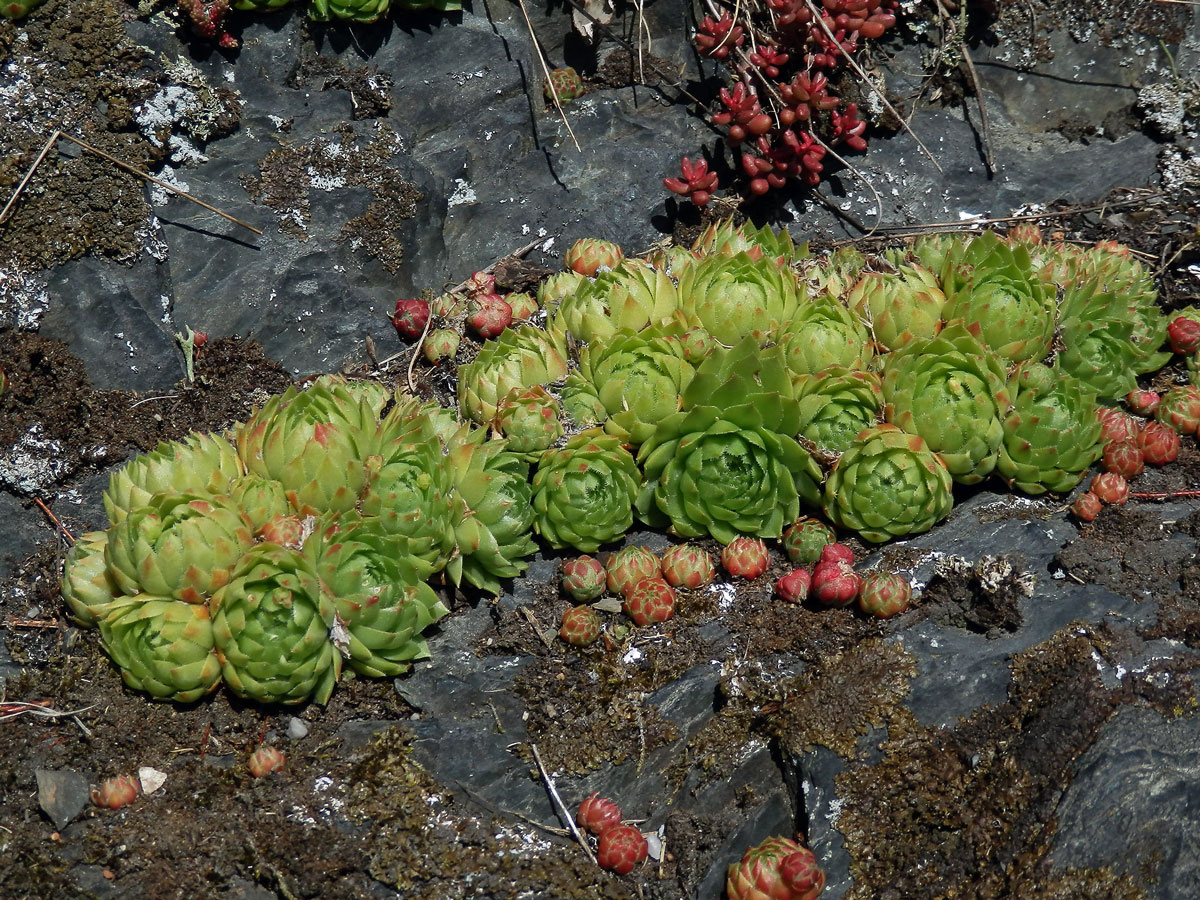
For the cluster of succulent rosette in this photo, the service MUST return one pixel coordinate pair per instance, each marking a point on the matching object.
(715, 392)
(781, 118)
(619, 847)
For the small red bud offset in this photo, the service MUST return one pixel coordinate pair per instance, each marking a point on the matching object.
(629, 565)
(1123, 457)
(1109, 487)
(523, 305)
(598, 814)
(1159, 443)
(114, 793)
(411, 317)
(836, 552)
(480, 283)
(489, 315)
(265, 760)
(1184, 335)
(793, 587)
(441, 345)
(745, 557)
(583, 578)
(805, 539)
(1086, 507)
(199, 339)
(1117, 425)
(834, 584)
(686, 565)
(621, 848)
(651, 601)
(1180, 408)
(581, 626)
(587, 255)
(884, 594)
(1144, 403)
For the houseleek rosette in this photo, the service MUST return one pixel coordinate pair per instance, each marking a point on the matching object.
(836, 404)
(724, 477)
(203, 464)
(365, 11)
(639, 378)
(259, 499)
(631, 296)
(733, 297)
(272, 627)
(178, 545)
(580, 401)
(899, 307)
(825, 333)
(1101, 354)
(1051, 434)
(951, 391)
(1000, 296)
(163, 647)
(314, 442)
(495, 534)
(519, 357)
(409, 490)
(529, 419)
(583, 492)
(380, 599)
(87, 584)
(888, 484)
(724, 238)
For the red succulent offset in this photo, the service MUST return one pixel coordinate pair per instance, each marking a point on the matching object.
(265, 760)
(835, 552)
(114, 793)
(1122, 457)
(580, 626)
(745, 557)
(1144, 403)
(686, 565)
(777, 869)
(1184, 335)
(651, 601)
(1159, 443)
(628, 566)
(804, 540)
(583, 578)
(1086, 506)
(488, 315)
(793, 587)
(1109, 487)
(1116, 424)
(523, 305)
(598, 814)
(834, 583)
(411, 317)
(1180, 408)
(884, 594)
(587, 255)
(621, 848)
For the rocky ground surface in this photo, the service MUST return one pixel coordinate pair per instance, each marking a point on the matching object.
(1027, 729)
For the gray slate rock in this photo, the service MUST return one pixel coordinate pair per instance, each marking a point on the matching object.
(62, 794)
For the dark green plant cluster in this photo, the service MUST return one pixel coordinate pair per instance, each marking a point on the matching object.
(719, 391)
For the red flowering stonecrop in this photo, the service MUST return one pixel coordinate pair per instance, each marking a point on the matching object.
(697, 183)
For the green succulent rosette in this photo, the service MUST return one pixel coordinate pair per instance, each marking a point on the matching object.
(825, 333)
(630, 296)
(836, 275)
(529, 418)
(950, 390)
(555, 289)
(365, 11)
(518, 358)
(733, 297)
(933, 252)
(1052, 432)
(272, 626)
(1001, 297)
(1101, 354)
(409, 489)
(900, 307)
(836, 404)
(163, 647)
(415, 419)
(18, 9)
(639, 379)
(314, 442)
(178, 545)
(380, 599)
(261, 6)
(203, 464)
(887, 485)
(580, 401)
(724, 238)
(495, 534)
(259, 499)
(87, 585)
(727, 463)
(583, 492)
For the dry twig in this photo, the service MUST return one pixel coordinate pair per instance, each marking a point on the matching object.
(546, 69)
(559, 806)
(53, 518)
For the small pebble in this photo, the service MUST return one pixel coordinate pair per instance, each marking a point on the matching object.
(296, 728)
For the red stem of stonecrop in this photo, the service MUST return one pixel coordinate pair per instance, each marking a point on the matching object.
(1169, 495)
(780, 118)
